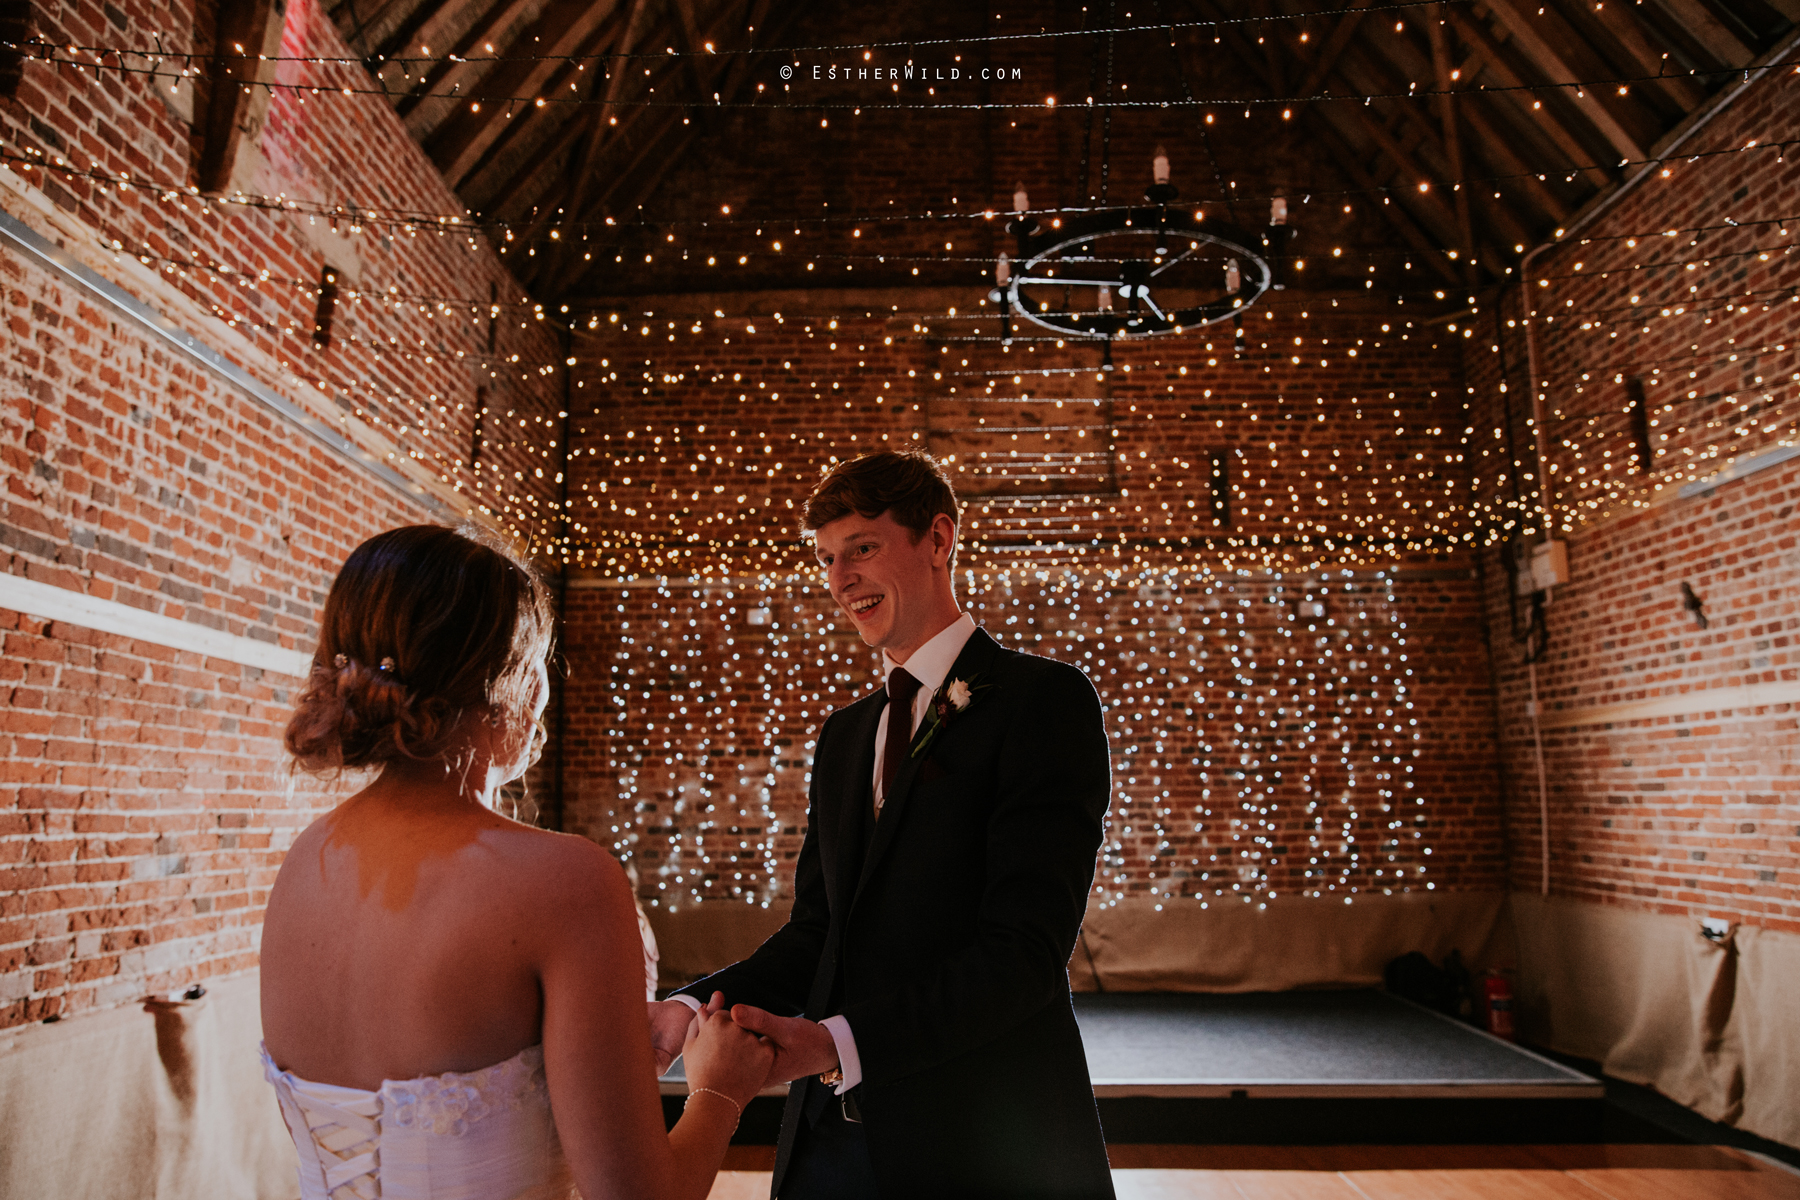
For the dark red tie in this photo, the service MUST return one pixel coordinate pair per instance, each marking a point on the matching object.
(901, 690)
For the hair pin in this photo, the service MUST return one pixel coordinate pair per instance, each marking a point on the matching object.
(387, 663)
(340, 662)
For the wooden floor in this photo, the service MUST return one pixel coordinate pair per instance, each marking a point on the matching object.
(1397, 1173)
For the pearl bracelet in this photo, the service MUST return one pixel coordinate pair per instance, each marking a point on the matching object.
(694, 1091)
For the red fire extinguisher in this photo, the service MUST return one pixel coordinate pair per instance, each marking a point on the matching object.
(1499, 994)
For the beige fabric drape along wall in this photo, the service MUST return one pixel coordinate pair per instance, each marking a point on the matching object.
(133, 1104)
(1228, 946)
(1710, 1024)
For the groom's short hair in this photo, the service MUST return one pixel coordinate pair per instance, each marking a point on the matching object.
(907, 483)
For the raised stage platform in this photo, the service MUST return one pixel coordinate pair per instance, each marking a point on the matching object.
(1292, 1067)
(1316, 1045)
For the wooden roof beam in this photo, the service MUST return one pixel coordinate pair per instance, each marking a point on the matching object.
(1395, 214)
(691, 40)
(1713, 35)
(707, 75)
(597, 117)
(560, 31)
(549, 153)
(1498, 149)
(1335, 45)
(1554, 66)
(498, 17)
(235, 109)
(563, 272)
(1477, 37)
(1446, 106)
(565, 115)
(1628, 29)
(1452, 223)
(402, 35)
(1314, 116)
(1377, 75)
(1429, 204)
(731, 74)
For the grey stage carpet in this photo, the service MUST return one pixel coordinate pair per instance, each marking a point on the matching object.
(1323, 1044)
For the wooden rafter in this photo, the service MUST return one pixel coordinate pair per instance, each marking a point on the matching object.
(578, 203)
(728, 78)
(247, 37)
(1628, 29)
(597, 117)
(560, 31)
(1497, 148)
(499, 16)
(1554, 65)
(1496, 65)
(1325, 73)
(1378, 73)
(552, 151)
(558, 199)
(1335, 44)
(1397, 216)
(1515, 85)
(688, 22)
(1446, 106)
(401, 36)
(1427, 205)
(519, 129)
(1713, 35)
(1351, 164)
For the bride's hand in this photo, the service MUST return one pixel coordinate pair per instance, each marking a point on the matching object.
(723, 1056)
(670, 1023)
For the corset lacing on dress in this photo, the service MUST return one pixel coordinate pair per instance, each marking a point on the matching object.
(477, 1135)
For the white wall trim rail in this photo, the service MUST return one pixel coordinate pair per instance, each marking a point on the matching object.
(109, 616)
(1738, 699)
(28, 241)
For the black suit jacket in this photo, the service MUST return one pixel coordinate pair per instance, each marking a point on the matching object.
(944, 934)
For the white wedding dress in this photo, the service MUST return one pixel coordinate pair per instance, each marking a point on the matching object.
(477, 1135)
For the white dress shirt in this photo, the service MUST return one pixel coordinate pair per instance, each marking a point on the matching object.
(930, 664)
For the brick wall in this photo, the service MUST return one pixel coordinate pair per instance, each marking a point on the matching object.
(1261, 746)
(1695, 813)
(144, 805)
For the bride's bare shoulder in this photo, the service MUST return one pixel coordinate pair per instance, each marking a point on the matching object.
(562, 864)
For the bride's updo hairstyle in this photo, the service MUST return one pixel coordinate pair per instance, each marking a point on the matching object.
(423, 624)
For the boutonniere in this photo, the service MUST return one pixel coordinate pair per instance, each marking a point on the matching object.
(946, 703)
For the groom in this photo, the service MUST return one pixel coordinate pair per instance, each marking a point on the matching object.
(919, 991)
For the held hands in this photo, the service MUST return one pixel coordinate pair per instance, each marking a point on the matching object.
(723, 1056)
(669, 1024)
(802, 1047)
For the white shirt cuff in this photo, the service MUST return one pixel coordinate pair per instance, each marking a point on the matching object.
(689, 1001)
(848, 1062)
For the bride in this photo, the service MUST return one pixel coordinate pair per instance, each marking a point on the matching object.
(452, 1002)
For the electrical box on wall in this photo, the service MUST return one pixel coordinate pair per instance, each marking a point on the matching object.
(1549, 565)
(1538, 566)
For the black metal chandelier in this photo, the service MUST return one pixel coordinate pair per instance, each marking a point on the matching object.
(1171, 269)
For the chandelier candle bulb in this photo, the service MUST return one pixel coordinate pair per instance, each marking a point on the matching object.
(1002, 270)
(1278, 211)
(1234, 278)
(1021, 201)
(1159, 166)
